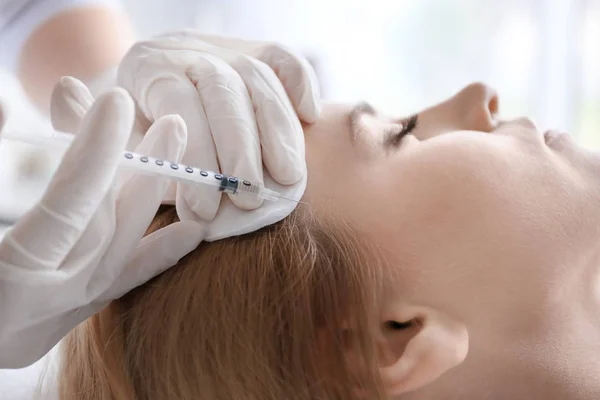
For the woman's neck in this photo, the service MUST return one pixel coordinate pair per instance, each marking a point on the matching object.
(562, 367)
(551, 353)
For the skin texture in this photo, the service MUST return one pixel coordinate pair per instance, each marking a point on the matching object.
(493, 235)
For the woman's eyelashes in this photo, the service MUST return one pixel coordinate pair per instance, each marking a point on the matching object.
(407, 126)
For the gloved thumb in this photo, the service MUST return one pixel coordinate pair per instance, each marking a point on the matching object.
(70, 101)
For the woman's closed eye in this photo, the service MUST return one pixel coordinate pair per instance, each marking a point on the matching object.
(394, 137)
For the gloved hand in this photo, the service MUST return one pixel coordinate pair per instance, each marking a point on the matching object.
(242, 103)
(80, 246)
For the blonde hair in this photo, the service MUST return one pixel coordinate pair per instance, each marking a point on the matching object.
(282, 313)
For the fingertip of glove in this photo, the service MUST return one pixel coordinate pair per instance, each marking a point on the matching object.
(288, 170)
(109, 120)
(246, 203)
(302, 86)
(306, 104)
(120, 96)
(291, 178)
(309, 108)
(169, 134)
(166, 139)
(311, 111)
(197, 201)
(68, 81)
(115, 103)
(69, 101)
(72, 88)
(176, 126)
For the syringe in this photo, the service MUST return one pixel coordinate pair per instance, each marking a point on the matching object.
(151, 166)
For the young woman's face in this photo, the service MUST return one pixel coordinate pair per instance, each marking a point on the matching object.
(475, 212)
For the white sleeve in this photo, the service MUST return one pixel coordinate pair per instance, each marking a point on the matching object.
(37, 381)
(19, 18)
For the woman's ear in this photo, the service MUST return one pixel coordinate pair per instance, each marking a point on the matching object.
(418, 348)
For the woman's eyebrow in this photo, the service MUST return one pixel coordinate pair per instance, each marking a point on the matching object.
(360, 109)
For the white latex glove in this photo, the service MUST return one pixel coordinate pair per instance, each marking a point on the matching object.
(242, 103)
(80, 246)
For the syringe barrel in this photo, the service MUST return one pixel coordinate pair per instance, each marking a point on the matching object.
(156, 167)
(225, 183)
(247, 187)
(236, 186)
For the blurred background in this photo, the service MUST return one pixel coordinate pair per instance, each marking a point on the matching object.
(543, 57)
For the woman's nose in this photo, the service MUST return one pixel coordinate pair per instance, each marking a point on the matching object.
(479, 105)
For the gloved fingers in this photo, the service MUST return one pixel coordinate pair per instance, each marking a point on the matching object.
(297, 77)
(231, 117)
(281, 135)
(141, 196)
(293, 71)
(179, 96)
(168, 125)
(156, 253)
(46, 234)
(70, 101)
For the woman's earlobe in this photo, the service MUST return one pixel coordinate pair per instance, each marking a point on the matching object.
(439, 344)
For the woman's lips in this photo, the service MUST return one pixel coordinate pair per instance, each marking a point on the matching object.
(554, 138)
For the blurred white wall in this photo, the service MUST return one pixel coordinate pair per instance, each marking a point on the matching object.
(24, 170)
(543, 56)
